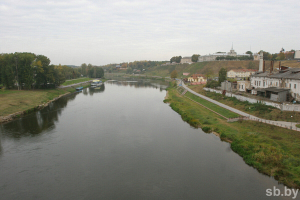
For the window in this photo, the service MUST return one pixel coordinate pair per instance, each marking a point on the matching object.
(295, 86)
(264, 84)
(290, 85)
(276, 83)
(286, 85)
(242, 87)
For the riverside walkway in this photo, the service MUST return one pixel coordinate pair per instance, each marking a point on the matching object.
(288, 125)
(65, 86)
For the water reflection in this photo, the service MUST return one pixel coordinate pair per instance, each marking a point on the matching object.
(140, 83)
(92, 90)
(35, 123)
(45, 119)
(0, 146)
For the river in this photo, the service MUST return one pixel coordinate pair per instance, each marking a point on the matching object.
(120, 142)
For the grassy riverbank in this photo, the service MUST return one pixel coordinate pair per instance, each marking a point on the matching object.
(271, 150)
(12, 101)
(73, 81)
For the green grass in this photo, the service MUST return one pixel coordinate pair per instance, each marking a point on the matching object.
(214, 107)
(271, 150)
(12, 101)
(73, 81)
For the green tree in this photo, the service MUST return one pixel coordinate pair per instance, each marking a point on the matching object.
(24, 63)
(84, 69)
(8, 70)
(174, 74)
(280, 56)
(176, 59)
(195, 57)
(249, 52)
(222, 75)
(99, 72)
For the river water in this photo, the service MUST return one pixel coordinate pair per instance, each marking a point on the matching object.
(120, 142)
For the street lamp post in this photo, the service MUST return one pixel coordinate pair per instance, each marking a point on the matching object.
(291, 122)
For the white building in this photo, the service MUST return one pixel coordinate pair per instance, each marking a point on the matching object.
(242, 86)
(213, 57)
(240, 73)
(284, 79)
(186, 60)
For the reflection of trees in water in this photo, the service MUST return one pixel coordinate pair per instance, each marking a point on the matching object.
(0, 146)
(141, 83)
(96, 90)
(37, 122)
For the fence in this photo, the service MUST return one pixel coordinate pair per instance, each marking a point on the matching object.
(283, 106)
(275, 123)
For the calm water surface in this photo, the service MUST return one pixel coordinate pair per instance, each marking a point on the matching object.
(120, 142)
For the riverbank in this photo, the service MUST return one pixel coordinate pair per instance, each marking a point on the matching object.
(271, 150)
(18, 103)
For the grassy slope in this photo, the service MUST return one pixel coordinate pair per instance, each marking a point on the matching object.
(73, 81)
(12, 101)
(271, 150)
(213, 67)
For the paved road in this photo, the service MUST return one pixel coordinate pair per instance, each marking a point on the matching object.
(251, 117)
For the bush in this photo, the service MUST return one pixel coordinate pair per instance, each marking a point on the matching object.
(207, 129)
(212, 84)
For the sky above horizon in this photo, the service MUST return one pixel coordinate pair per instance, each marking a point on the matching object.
(72, 32)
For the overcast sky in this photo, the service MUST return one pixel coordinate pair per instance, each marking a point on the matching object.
(109, 31)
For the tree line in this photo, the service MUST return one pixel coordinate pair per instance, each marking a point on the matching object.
(30, 71)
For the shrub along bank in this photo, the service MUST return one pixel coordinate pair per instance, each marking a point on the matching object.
(271, 150)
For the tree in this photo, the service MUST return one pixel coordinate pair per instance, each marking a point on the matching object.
(176, 59)
(249, 52)
(8, 69)
(84, 69)
(99, 72)
(251, 55)
(174, 74)
(289, 55)
(195, 57)
(280, 56)
(267, 56)
(222, 75)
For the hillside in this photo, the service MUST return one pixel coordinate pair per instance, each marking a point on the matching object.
(212, 68)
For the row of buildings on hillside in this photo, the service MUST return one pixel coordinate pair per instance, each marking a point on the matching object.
(213, 57)
(232, 53)
(280, 86)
